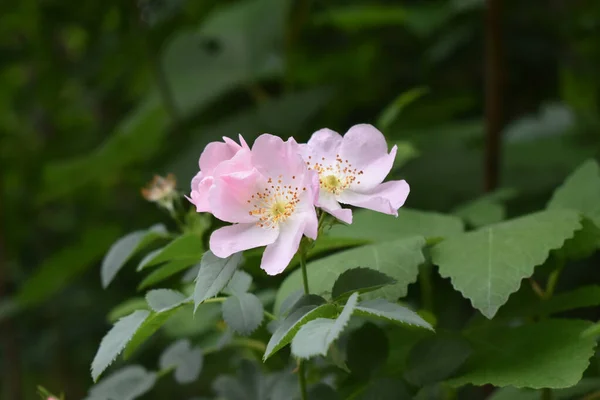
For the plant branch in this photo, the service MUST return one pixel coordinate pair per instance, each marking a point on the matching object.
(493, 93)
(302, 380)
(304, 272)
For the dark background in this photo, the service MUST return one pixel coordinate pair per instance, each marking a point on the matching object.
(98, 96)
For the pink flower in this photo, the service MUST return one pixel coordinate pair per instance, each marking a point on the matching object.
(351, 171)
(213, 155)
(268, 194)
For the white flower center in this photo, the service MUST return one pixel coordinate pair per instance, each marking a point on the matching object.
(336, 176)
(275, 203)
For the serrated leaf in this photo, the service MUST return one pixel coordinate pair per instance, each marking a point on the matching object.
(166, 271)
(185, 323)
(115, 340)
(436, 358)
(288, 302)
(359, 280)
(398, 259)
(124, 248)
(488, 264)
(125, 384)
(316, 336)
(187, 361)
(161, 300)
(585, 386)
(214, 275)
(153, 323)
(548, 354)
(187, 246)
(391, 312)
(126, 308)
(240, 283)
(378, 227)
(293, 322)
(580, 192)
(243, 312)
(584, 243)
(367, 350)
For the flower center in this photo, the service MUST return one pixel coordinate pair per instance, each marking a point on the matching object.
(336, 176)
(275, 203)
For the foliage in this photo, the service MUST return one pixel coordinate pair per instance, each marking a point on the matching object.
(463, 293)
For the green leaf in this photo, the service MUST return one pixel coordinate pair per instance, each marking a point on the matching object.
(530, 305)
(185, 247)
(488, 264)
(161, 300)
(386, 389)
(300, 316)
(367, 350)
(115, 341)
(153, 323)
(398, 259)
(436, 358)
(243, 312)
(214, 275)
(379, 227)
(580, 192)
(391, 312)
(585, 386)
(316, 336)
(124, 248)
(187, 361)
(240, 283)
(166, 271)
(62, 267)
(394, 109)
(125, 384)
(126, 308)
(359, 280)
(548, 354)
(185, 323)
(485, 210)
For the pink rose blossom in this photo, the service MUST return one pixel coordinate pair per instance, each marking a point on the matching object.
(268, 193)
(213, 155)
(351, 171)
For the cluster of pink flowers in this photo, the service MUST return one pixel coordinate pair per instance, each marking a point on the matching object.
(270, 192)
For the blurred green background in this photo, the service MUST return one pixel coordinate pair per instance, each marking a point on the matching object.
(98, 96)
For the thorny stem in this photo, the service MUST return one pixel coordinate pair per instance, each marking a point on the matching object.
(301, 369)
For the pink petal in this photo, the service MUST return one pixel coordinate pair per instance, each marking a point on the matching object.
(199, 193)
(328, 203)
(214, 153)
(362, 145)
(374, 173)
(278, 255)
(273, 158)
(243, 142)
(323, 143)
(229, 196)
(240, 162)
(235, 238)
(386, 198)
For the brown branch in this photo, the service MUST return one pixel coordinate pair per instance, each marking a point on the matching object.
(493, 93)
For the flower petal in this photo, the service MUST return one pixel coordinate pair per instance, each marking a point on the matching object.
(328, 202)
(235, 238)
(323, 143)
(386, 198)
(230, 195)
(214, 153)
(274, 158)
(199, 194)
(278, 255)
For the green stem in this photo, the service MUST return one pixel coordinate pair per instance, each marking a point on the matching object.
(546, 394)
(302, 380)
(304, 273)
(553, 278)
(270, 316)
